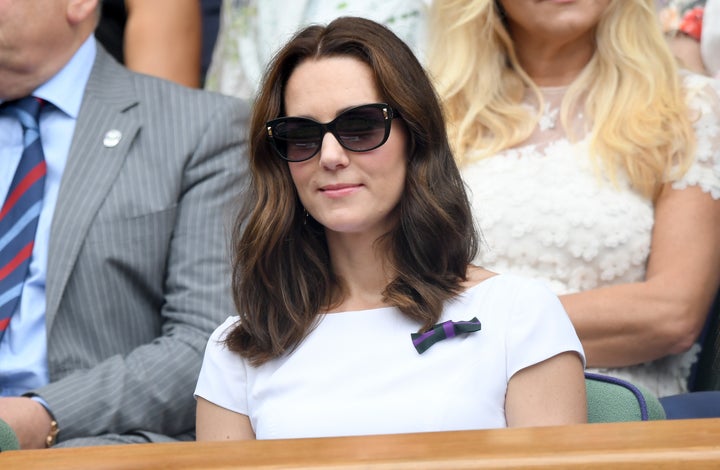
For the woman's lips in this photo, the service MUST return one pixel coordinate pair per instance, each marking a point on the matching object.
(339, 190)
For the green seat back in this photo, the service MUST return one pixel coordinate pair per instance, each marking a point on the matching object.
(612, 400)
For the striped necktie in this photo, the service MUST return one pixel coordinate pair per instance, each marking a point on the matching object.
(21, 209)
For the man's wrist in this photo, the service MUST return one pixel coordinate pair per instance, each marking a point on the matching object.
(51, 438)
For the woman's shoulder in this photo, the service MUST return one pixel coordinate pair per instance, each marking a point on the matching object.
(476, 275)
(703, 101)
(510, 302)
(481, 279)
(222, 331)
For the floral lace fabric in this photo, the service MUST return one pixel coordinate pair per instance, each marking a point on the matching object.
(545, 213)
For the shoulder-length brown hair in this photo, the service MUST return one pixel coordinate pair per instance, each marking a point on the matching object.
(282, 277)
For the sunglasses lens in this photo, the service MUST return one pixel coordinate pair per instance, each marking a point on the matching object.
(297, 139)
(361, 129)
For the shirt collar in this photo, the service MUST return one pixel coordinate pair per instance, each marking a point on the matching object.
(65, 90)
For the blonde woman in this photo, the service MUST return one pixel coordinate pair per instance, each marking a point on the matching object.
(595, 165)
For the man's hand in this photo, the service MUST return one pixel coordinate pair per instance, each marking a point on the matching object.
(28, 418)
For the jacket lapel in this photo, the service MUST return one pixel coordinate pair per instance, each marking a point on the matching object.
(103, 135)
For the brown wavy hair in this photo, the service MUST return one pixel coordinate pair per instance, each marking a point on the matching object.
(282, 277)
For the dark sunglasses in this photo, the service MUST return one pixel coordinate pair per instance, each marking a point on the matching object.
(358, 129)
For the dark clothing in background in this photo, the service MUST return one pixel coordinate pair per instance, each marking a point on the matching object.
(111, 28)
(210, 24)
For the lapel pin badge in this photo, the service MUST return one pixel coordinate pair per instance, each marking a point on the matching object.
(112, 138)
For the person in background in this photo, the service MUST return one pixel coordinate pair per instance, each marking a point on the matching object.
(359, 312)
(115, 200)
(710, 40)
(692, 28)
(682, 22)
(594, 166)
(160, 37)
(251, 31)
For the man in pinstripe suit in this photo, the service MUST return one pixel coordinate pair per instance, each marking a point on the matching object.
(129, 272)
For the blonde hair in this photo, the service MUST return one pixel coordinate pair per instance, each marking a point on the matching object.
(631, 87)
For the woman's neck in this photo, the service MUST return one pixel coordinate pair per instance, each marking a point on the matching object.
(552, 64)
(362, 266)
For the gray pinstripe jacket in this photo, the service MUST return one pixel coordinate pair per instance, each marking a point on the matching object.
(138, 269)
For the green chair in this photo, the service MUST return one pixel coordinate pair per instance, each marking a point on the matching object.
(611, 400)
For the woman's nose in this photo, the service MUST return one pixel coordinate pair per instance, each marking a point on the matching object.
(332, 154)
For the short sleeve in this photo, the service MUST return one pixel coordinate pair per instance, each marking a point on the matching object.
(703, 99)
(223, 376)
(538, 328)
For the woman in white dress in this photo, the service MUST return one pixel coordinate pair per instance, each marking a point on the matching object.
(594, 165)
(359, 312)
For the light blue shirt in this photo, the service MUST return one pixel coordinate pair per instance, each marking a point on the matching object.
(23, 348)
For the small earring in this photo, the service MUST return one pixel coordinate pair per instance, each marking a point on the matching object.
(305, 219)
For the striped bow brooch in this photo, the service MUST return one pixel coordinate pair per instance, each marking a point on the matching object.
(441, 331)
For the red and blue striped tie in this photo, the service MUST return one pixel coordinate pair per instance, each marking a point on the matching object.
(21, 210)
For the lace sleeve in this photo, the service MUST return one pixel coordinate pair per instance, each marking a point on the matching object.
(703, 97)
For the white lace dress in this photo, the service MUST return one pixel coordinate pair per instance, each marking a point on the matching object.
(545, 214)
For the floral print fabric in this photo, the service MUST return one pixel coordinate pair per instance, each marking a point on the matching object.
(251, 31)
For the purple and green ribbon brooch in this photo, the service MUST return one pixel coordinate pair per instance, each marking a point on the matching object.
(441, 331)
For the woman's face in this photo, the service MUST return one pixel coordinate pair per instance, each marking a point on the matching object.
(345, 191)
(553, 20)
